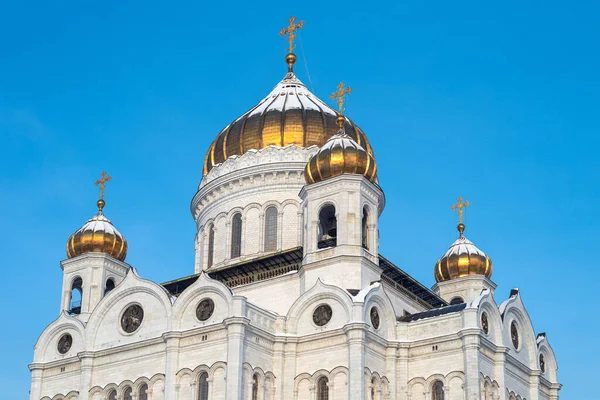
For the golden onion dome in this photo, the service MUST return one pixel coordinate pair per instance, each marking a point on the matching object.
(290, 114)
(98, 235)
(340, 155)
(462, 259)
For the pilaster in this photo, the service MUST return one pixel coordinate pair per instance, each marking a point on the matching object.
(471, 346)
(85, 377)
(172, 341)
(236, 332)
(356, 337)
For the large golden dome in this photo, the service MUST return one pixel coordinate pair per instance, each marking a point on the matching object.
(290, 114)
(462, 259)
(98, 235)
(340, 155)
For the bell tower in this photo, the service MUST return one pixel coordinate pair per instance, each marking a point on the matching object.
(341, 204)
(95, 264)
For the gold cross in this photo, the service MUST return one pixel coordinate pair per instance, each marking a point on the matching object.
(290, 31)
(102, 182)
(459, 206)
(340, 95)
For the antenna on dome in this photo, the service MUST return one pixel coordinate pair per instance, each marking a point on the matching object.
(290, 58)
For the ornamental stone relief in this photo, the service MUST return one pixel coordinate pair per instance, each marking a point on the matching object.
(322, 315)
(132, 318)
(205, 309)
(64, 343)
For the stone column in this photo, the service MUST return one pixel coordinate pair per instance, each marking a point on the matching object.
(289, 371)
(236, 332)
(85, 374)
(356, 334)
(499, 369)
(470, 339)
(300, 228)
(36, 382)
(171, 364)
(534, 385)
(402, 374)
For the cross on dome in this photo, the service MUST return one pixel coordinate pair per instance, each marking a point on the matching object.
(459, 207)
(340, 95)
(102, 182)
(290, 31)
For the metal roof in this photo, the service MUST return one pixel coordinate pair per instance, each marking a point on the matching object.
(436, 312)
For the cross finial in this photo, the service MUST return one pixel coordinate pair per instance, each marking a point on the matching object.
(340, 95)
(102, 182)
(293, 27)
(459, 206)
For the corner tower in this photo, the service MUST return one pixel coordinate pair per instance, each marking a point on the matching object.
(341, 204)
(464, 271)
(95, 252)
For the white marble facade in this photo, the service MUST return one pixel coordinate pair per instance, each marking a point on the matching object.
(262, 340)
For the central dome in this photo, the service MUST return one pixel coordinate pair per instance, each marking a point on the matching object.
(290, 114)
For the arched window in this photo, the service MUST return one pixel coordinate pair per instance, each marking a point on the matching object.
(373, 389)
(327, 228)
(271, 229)
(487, 391)
(110, 285)
(203, 386)
(322, 389)
(128, 393)
(255, 387)
(211, 245)
(142, 395)
(365, 229)
(437, 391)
(236, 235)
(456, 300)
(112, 395)
(76, 295)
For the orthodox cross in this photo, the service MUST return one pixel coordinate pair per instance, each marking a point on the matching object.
(290, 31)
(459, 206)
(340, 95)
(102, 182)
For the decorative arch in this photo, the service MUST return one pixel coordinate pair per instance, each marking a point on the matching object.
(511, 310)
(45, 350)
(335, 377)
(375, 295)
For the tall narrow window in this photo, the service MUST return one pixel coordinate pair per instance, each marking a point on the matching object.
(128, 393)
(255, 387)
(211, 245)
(203, 387)
(236, 235)
(437, 391)
(373, 389)
(112, 395)
(327, 227)
(110, 285)
(365, 229)
(322, 389)
(142, 395)
(271, 229)
(76, 296)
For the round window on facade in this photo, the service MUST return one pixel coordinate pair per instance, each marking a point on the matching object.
(132, 318)
(322, 315)
(205, 309)
(485, 325)
(514, 335)
(64, 343)
(375, 318)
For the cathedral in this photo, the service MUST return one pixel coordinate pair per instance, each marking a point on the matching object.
(289, 298)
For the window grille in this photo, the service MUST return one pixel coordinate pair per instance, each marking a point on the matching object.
(203, 387)
(211, 245)
(322, 389)
(271, 229)
(236, 236)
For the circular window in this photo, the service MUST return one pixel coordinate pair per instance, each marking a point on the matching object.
(514, 335)
(375, 317)
(322, 315)
(64, 343)
(542, 363)
(132, 318)
(205, 309)
(484, 323)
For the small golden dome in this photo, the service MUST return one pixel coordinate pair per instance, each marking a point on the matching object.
(290, 114)
(462, 259)
(98, 235)
(340, 155)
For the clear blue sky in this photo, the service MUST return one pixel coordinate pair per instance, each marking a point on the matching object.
(497, 103)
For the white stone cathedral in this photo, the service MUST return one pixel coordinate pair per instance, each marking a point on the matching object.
(290, 298)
